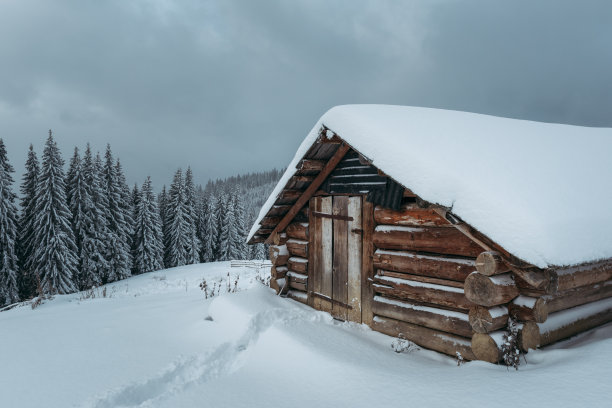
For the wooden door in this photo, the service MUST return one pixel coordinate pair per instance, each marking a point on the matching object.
(335, 259)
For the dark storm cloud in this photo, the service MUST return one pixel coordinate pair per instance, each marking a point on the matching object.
(233, 86)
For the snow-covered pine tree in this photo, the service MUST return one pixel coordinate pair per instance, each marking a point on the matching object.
(126, 205)
(211, 230)
(148, 233)
(94, 266)
(162, 202)
(117, 244)
(229, 245)
(27, 280)
(54, 249)
(176, 223)
(134, 201)
(208, 228)
(220, 219)
(242, 250)
(9, 291)
(191, 218)
(259, 252)
(79, 200)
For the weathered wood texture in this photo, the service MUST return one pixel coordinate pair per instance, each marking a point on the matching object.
(425, 337)
(298, 296)
(434, 318)
(487, 346)
(491, 263)
(419, 278)
(314, 255)
(310, 166)
(569, 322)
(297, 281)
(490, 290)
(320, 254)
(456, 269)
(340, 262)
(582, 275)
(578, 296)
(278, 254)
(280, 239)
(422, 292)
(298, 230)
(278, 272)
(297, 247)
(288, 196)
(354, 259)
(535, 278)
(528, 309)
(440, 240)
(297, 264)
(529, 336)
(367, 269)
(487, 320)
(269, 221)
(410, 215)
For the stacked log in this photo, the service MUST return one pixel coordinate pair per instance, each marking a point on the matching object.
(569, 322)
(297, 263)
(420, 263)
(279, 256)
(491, 287)
(552, 304)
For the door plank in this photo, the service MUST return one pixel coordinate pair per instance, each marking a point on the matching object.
(354, 259)
(340, 258)
(314, 254)
(326, 258)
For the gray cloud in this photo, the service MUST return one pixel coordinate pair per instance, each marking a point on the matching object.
(233, 86)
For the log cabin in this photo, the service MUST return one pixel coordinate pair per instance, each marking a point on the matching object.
(438, 226)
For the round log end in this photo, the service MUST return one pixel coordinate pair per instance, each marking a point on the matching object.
(485, 348)
(480, 319)
(479, 289)
(490, 263)
(540, 311)
(529, 337)
(490, 290)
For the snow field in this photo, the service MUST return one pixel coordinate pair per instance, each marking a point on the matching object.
(157, 342)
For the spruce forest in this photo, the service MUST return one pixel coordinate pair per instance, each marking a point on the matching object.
(84, 227)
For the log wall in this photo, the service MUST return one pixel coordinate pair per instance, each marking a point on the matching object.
(420, 263)
(431, 284)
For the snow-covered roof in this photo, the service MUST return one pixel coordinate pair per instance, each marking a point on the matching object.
(542, 191)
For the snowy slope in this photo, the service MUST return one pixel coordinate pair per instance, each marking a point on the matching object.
(150, 345)
(535, 188)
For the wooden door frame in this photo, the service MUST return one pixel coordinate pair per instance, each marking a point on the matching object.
(359, 300)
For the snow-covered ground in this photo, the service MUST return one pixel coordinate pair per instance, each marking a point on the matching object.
(155, 341)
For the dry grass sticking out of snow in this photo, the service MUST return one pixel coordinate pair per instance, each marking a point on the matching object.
(158, 342)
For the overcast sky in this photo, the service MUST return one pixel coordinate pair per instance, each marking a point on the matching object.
(234, 86)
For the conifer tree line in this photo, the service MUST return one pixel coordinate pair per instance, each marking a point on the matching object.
(85, 227)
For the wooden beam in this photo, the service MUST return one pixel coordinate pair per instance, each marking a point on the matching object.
(312, 187)
(308, 166)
